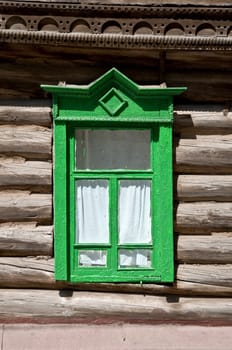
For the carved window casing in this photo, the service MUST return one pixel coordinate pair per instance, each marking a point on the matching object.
(113, 181)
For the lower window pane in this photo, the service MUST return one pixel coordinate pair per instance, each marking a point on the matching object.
(134, 258)
(92, 258)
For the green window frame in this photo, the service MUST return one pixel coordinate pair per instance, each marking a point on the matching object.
(113, 103)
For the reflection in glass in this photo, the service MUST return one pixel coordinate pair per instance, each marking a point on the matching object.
(92, 258)
(112, 149)
(134, 258)
(92, 211)
(135, 211)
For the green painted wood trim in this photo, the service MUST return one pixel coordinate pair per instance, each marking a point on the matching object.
(71, 234)
(113, 101)
(164, 250)
(114, 98)
(112, 76)
(162, 231)
(61, 193)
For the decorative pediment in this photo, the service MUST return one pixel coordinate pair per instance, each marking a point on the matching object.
(112, 95)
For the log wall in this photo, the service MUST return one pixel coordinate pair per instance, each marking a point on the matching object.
(203, 222)
(203, 199)
(24, 67)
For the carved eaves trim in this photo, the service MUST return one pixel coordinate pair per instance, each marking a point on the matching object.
(65, 8)
(116, 26)
(117, 41)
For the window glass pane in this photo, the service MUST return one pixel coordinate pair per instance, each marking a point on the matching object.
(92, 258)
(134, 211)
(134, 258)
(112, 149)
(92, 211)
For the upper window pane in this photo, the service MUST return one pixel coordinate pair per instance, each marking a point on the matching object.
(112, 149)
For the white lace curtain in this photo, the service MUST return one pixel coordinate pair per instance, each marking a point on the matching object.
(134, 219)
(92, 204)
(134, 211)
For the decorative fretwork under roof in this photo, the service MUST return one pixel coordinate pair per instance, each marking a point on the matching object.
(160, 25)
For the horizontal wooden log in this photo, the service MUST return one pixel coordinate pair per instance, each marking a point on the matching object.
(31, 141)
(16, 112)
(25, 206)
(203, 62)
(204, 187)
(17, 171)
(203, 217)
(212, 91)
(50, 64)
(178, 288)
(25, 272)
(212, 280)
(204, 249)
(206, 118)
(199, 70)
(214, 275)
(192, 120)
(103, 306)
(208, 154)
(26, 240)
(190, 217)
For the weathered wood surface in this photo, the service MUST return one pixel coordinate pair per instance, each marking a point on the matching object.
(31, 141)
(190, 217)
(21, 174)
(205, 249)
(25, 67)
(17, 112)
(204, 187)
(202, 118)
(207, 154)
(193, 120)
(99, 306)
(190, 279)
(206, 80)
(54, 64)
(203, 217)
(199, 154)
(25, 206)
(25, 272)
(17, 171)
(26, 240)
(216, 275)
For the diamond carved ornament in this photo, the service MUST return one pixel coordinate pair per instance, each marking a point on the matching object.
(113, 103)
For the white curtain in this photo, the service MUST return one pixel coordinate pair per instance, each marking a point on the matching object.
(92, 211)
(134, 258)
(134, 211)
(92, 258)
